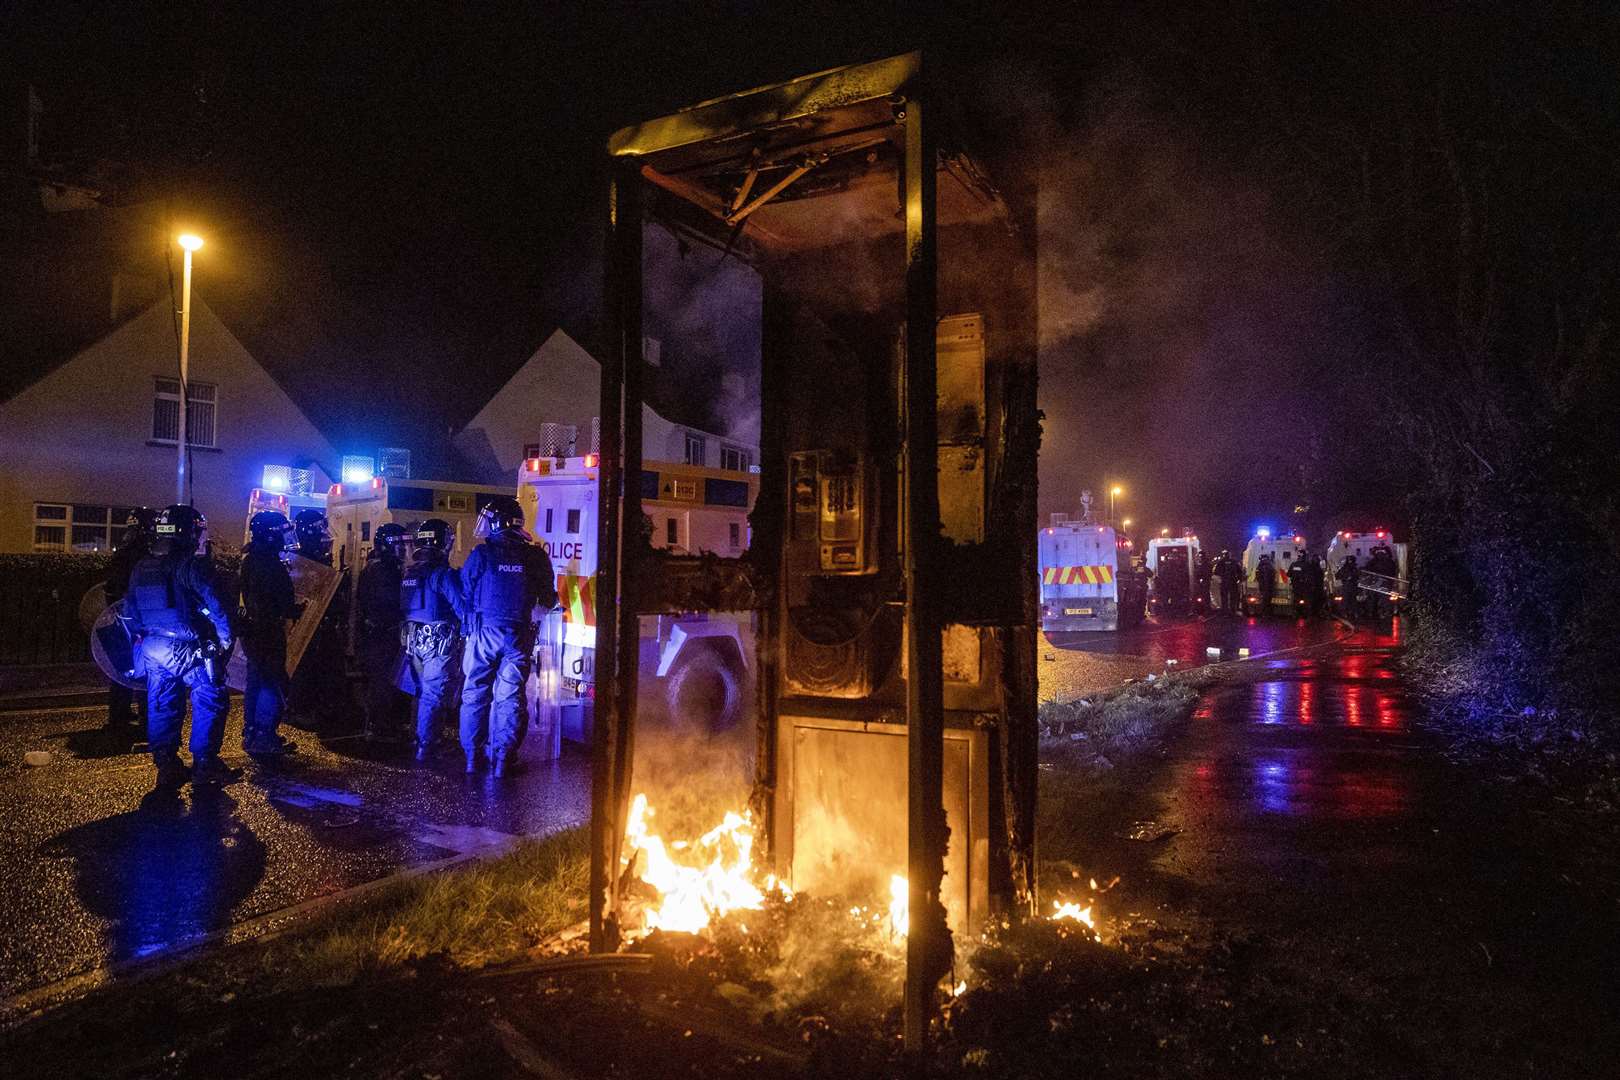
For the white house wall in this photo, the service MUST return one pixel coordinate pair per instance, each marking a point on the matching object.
(82, 434)
(561, 383)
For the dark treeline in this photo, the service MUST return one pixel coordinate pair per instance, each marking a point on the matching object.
(1449, 181)
(1466, 175)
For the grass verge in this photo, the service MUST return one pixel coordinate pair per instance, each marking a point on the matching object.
(473, 916)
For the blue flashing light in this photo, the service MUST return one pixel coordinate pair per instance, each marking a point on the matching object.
(1263, 532)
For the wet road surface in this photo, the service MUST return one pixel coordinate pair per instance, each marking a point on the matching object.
(94, 869)
(1075, 664)
(1425, 918)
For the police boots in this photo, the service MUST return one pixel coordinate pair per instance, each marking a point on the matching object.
(172, 773)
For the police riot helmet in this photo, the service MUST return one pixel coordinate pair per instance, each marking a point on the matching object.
(435, 533)
(140, 527)
(314, 535)
(271, 528)
(500, 513)
(180, 529)
(390, 538)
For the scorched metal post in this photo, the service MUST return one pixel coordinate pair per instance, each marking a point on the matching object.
(622, 278)
(928, 947)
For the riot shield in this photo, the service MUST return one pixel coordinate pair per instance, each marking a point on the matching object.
(314, 585)
(112, 647)
(91, 605)
(540, 691)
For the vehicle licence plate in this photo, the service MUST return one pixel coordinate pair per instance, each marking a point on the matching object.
(1077, 611)
(573, 686)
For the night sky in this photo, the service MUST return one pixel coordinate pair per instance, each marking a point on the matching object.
(401, 201)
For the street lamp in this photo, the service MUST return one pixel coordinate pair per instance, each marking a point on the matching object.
(1126, 523)
(1113, 494)
(1164, 532)
(190, 242)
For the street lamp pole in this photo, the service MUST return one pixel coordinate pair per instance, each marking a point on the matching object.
(190, 243)
(1114, 492)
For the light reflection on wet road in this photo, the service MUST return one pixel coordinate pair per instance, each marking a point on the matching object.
(1073, 665)
(95, 869)
(1323, 736)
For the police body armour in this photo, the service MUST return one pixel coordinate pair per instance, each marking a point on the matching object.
(502, 591)
(419, 600)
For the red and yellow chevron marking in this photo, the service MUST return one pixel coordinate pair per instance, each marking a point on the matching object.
(1078, 575)
(577, 593)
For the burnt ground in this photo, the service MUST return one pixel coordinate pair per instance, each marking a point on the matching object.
(1326, 894)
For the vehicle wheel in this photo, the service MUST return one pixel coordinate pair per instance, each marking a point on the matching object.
(705, 692)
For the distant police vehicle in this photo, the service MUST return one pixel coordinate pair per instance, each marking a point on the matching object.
(1283, 549)
(357, 507)
(1173, 561)
(698, 661)
(278, 497)
(1365, 546)
(1079, 565)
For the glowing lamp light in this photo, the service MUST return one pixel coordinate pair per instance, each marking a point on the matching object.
(335, 489)
(533, 464)
(1379, 534)
(1299, 539)
(592, 460)
(190, 241)
(1263, 532)
(1164, 532)
(376, 483)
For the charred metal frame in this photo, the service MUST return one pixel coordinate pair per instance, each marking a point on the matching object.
(632, 581)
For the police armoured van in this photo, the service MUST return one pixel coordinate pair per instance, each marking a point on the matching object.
(1362, 545)
(1079, 566)
(1173, 561)
(697, 663)
(355, 509)
(1284, 550)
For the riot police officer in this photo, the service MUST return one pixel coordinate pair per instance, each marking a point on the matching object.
(1231, 575)
(1299, 585)
(267, 603)
(123, 722)
(320, 689)
(1349, 586)
(185, 638)
(502, 582)
(377, 628)
(1265, 582)
(429, 594)
(314, 535)
(1316, 581)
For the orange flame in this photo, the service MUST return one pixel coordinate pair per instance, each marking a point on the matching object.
(713, 877)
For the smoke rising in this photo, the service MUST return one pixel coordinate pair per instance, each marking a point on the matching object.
(1186, 330)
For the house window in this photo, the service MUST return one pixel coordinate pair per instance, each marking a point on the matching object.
(202, 400)
(696, 450)
(672, 532)
(736, 458)
(78, 527)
